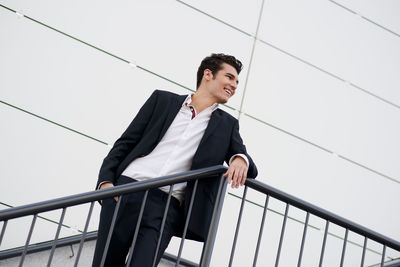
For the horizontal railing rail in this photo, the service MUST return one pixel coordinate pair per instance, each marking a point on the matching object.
(86, 197)
(46, 245)
(309, 208)
(322, 213)
(71, 240)
(121, 190)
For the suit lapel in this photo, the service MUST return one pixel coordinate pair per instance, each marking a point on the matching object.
(212, 125)
(173, 109)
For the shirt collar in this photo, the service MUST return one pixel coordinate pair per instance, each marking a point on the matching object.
(188, 100)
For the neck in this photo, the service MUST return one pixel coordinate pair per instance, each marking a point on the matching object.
(201, 100)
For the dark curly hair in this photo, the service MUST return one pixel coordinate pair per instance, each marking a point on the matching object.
(214, 63)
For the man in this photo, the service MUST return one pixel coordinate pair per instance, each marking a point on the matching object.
(172, 134)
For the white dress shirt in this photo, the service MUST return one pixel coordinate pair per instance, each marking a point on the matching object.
(175, 152)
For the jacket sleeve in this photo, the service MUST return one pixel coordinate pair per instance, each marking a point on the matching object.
(237, 147)
(127, 141)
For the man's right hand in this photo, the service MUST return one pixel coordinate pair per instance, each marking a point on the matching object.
(107, 185)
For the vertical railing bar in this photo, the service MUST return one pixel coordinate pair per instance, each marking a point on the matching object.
(3, 230)
(21, 262)
(383, 256)
(363, 252)
(303, 239)
(53, 247)
(110, 232)
(344, 247)
(261, 230)
(237, 227)
(208, 246)
(186, 223)
(84, 234)
(139, 221)
(163, 224)
(321, 259)
(282, 235)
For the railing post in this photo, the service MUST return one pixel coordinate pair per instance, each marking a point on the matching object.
(261, 230)
(163, 224)
(303, 240)
(278, 254)
(56, 237)
(321, 259)
(3, 230)
(110, 231)
(209, 244)
(21, 262)
(383, 256)
(139, 221)
(363, 251)
(344, 247)
(237, 227)
(84, 234)
(178, 259)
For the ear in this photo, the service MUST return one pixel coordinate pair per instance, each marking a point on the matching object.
(207, 74)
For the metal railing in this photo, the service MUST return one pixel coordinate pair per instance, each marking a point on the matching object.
(268, 191)
(329, 217)
(92, 197)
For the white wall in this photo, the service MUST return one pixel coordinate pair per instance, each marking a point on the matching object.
(319, 106)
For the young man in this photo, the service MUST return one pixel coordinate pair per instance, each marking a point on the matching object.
(172, 134)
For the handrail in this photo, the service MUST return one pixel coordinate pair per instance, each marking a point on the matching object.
(120, 190)
(77, 199)
(269, 191)
(322, 213)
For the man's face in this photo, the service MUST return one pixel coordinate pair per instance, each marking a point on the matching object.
(224, 83)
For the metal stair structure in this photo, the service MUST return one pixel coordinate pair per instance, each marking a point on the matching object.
(87, 239)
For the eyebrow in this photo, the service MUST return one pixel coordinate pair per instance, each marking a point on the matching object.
(232, 76)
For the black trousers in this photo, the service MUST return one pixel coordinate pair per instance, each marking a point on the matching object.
(146, 243)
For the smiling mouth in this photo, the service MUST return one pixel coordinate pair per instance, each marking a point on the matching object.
(228, 92)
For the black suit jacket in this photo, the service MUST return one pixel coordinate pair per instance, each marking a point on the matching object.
(220, 142)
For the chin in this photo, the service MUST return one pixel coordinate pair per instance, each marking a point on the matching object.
(223, 101)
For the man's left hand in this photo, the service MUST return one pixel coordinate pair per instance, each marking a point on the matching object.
(237, 172)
